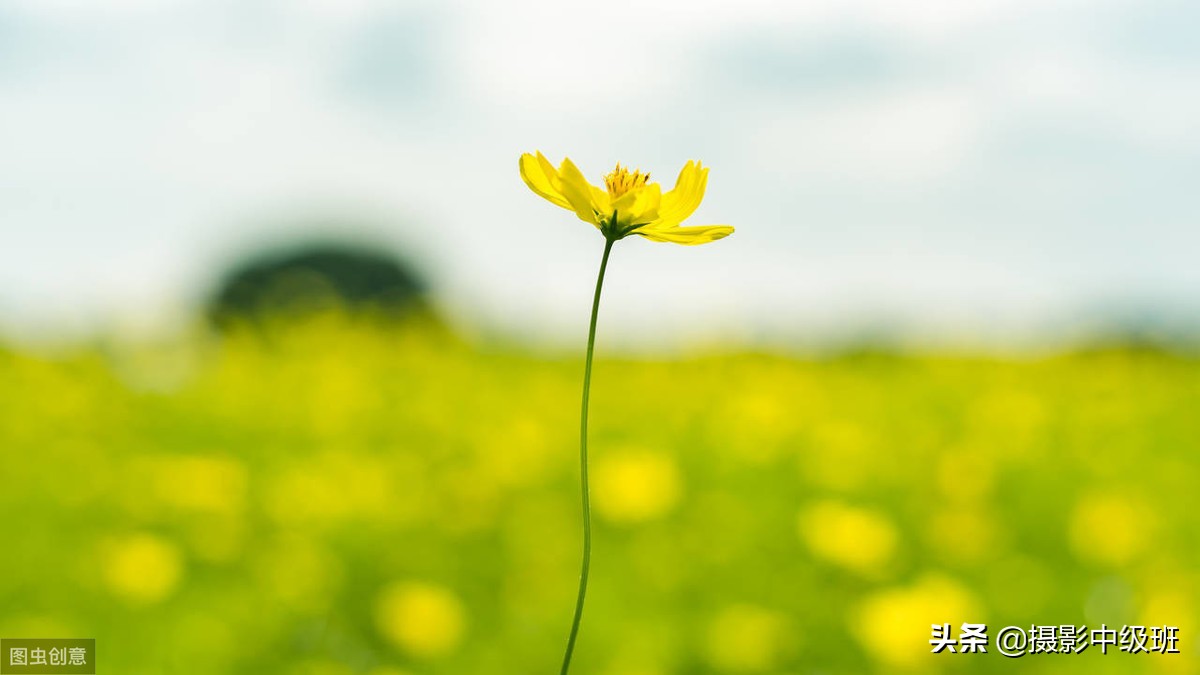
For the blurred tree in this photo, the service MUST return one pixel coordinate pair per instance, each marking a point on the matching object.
(318, 277)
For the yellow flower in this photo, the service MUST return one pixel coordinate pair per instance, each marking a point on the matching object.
(424, 619)
(629, 204)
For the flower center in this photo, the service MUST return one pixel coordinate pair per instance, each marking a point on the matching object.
(622, 180)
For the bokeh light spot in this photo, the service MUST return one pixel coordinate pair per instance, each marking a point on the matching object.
(423, 619)
(1109, 529)
(893, 624)
(746, 638)
(142, 568)
(855, 538)
(635, 485)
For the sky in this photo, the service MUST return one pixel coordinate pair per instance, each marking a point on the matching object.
(987, 170)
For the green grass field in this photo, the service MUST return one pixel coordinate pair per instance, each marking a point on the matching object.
(339, 498)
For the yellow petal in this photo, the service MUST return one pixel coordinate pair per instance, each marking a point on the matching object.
(688, 236)
(601, 201)
(637, 206)
(578, 191)
(683, 199)
(540, 176)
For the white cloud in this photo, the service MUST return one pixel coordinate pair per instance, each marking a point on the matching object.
(151, 139)
(904, 138)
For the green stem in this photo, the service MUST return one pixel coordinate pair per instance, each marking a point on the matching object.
(583, 464)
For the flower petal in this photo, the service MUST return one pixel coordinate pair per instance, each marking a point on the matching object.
(600, 200)
(683, 199)
(578, 191)
(638, 206)
(539, 174)
(688, 236)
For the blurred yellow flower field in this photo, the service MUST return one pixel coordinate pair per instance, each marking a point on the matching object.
(345, 497)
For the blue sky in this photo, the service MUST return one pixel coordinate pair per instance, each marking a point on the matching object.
(978, 169)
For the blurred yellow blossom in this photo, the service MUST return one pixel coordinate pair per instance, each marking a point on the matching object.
(748, 639)
(636, 485)
(856, 538)
(314, 489)
(1110, 528)
(211, 484)
(1171, 607)
(893, 625)
(423, 619)
(141, 568)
